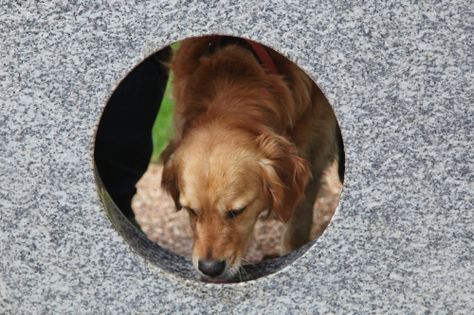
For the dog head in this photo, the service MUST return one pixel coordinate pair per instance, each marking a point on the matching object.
(225, 178)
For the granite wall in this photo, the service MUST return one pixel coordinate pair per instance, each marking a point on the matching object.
(399, 76)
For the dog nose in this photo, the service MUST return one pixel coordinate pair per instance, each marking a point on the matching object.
(211, 268)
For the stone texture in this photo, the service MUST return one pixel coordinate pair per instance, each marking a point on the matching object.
(399, 76)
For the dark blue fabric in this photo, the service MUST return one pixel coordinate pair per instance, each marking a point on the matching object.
(124, 141)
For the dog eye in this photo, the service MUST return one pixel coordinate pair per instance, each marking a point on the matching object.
(233, 213)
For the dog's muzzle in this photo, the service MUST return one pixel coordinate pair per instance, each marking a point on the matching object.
(211, 268)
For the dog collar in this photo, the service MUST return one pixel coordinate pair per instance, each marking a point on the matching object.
(259, 51)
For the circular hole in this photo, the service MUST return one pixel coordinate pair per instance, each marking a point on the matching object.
(253, 159)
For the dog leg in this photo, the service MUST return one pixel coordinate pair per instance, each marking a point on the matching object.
(298, 228)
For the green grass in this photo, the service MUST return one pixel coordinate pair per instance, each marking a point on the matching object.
(162, 128)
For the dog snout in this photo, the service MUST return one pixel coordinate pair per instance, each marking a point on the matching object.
(212, 268)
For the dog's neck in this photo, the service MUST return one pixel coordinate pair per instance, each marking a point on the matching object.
(251, 112)
(230, 83)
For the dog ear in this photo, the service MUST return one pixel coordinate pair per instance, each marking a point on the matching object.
(285, 174)
(169, 177)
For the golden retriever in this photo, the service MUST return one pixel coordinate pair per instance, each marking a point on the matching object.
(248, 140)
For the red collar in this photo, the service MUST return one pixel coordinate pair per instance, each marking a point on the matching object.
(259, 50)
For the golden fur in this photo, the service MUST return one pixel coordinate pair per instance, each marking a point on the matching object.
(245, 139)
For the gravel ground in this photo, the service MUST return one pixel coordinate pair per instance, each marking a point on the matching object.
(156, 214)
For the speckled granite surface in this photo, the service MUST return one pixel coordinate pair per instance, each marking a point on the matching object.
(400, 78)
